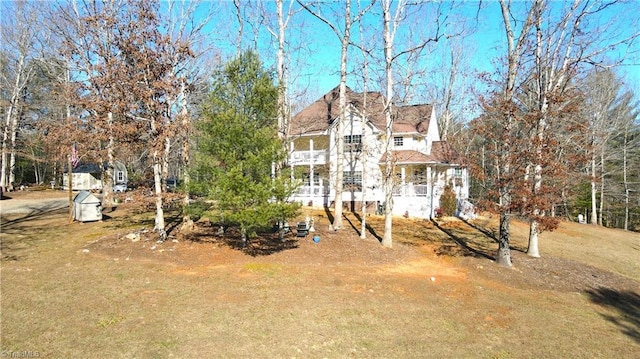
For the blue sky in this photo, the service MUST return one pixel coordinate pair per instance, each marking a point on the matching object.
(314, 52)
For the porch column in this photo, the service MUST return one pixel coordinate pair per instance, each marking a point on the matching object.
(312, 159)
(430, 183)
(403, 180)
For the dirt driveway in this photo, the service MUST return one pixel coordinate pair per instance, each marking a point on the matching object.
(32, 202)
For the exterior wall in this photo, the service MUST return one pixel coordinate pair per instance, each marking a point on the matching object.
(369, 156)
(82, 182)
(310, 155)
(85, 181)
(410, 142)
(415, 196)
(120, 173)
(433, 133)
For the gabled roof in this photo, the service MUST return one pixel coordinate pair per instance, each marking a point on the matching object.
(85, 197)
(441, 152)
(93, 167)
(87, 168)
(319, 116)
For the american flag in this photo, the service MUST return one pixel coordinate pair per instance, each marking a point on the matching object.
(74, 155)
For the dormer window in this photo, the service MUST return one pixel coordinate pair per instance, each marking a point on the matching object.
(398, 141)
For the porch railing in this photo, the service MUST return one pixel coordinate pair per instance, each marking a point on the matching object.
(317, 157)
(317, 190)
(411, 190)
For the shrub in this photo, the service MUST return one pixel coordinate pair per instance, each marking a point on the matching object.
(448, 203)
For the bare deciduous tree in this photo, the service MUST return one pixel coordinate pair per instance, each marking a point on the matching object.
(18, 35)
(515, 46)
(564, 40)
(344, 36)
(392, 18)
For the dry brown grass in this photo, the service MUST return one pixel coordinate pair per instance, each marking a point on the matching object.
(83, 290)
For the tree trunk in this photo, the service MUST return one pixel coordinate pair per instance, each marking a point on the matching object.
(70, 167)
(165, 162)
(4, 171)
(624, 178)
(365, 148)
(337, 202)
(387, 239)
(601, 187)
(36, 170)
(532, 249)
(337, 220)
(107, 184)
(187, 222)
(12, 154)
(282, 123)
(157, 176)
(447, 115)
(514, 49)
(543, 105)
(243, 235)
(504, 252)
(70, 192)
(594, 191)
(236, 4)
(11, 122)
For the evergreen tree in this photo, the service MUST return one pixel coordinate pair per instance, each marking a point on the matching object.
(237, 145)
(448, 201)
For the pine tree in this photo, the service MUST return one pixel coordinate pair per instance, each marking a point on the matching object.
(237, 145)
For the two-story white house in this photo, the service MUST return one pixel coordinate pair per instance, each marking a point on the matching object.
(422, 163)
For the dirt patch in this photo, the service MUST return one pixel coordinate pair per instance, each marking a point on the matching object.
(550, 273)
(448, 248)
(203, 247)
(82, 289)
(35, 193)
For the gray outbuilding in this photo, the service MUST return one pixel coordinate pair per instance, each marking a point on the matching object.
(86, 207)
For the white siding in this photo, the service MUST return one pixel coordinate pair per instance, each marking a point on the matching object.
(417, 199)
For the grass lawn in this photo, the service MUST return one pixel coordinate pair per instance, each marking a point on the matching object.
(87, 290)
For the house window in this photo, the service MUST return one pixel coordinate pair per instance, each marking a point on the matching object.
(458, 176)
(316, 179)
(352, 143)
(352, 180)
(398, 141)
(120, 176)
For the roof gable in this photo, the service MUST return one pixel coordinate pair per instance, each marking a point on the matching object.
(319, 116)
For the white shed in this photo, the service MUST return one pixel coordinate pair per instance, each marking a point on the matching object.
(86, 207)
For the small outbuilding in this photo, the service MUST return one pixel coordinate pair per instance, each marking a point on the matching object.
(86, 207)
(89, 176)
